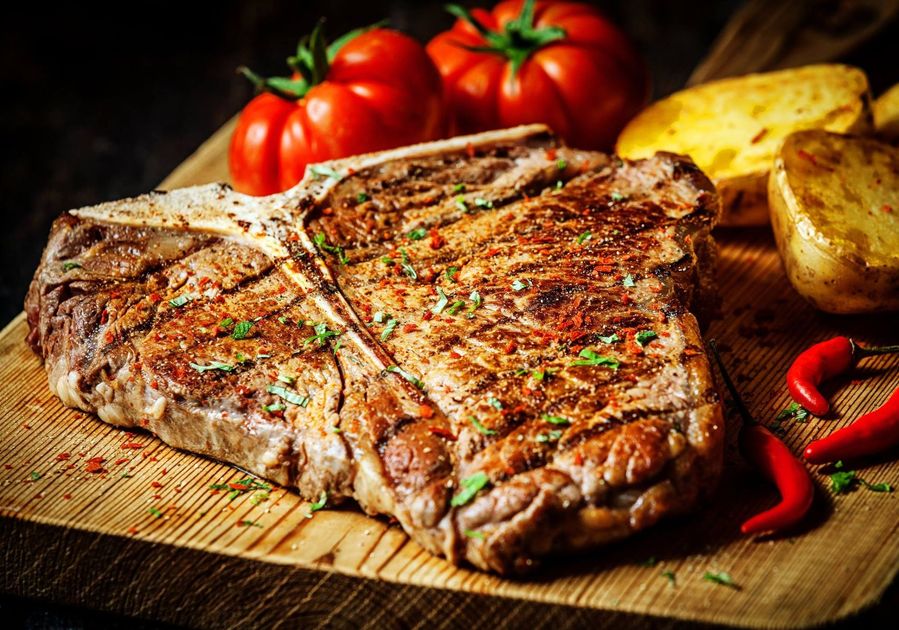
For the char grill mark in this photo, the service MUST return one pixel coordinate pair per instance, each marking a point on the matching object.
(575, 454)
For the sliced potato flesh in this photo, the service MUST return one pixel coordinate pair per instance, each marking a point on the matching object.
(886, 114)
(733, 127)
(835, 214)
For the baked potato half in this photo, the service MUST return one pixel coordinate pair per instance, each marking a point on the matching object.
(733, 127)
(835, 214)
(886, 114)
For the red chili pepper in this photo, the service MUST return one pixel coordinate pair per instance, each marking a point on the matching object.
(821, 362)
(775, 460)
(872, 433)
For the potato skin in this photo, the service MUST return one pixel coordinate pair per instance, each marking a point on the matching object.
(886, 115)
(733, 127)
(826, 261)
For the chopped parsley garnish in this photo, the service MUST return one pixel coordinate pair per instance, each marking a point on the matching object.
(494, 402)
(459, 188)
(70, 264)
(470, 487)
(319, 170)
(155, 512)
(669, 575)
(283, 320)
(475, 298)
(589, 357)
(480, 427)
(34, 476)
(454, 308)
(417, 234)
(843, 481)
(407, 266)
(450, 273)
(406, 375)
(555, 419)
(321, 242)
(389, 328)
(552, 436)
(362, 197)
(480, 202)
(471, 533)
(441, 303)
(240, 358)
(274, 407)
(248, 523)
(645, 336)
(379, 317)
(585, 236)
(213, 365)
(559, 184)
(520, 285)
(322, 334)
(795, 411)
(460, 203)
(651, 561)
(259, 497)
(237, 488)
(877, 487)
(226, 323)
(616, 196)
(628, 281)
(241, 330)
(610, 339)
(289, 396)
(722, 577)
(181, 300)
(316, 506)
(561, 165)
(286, 378)
(387, 260)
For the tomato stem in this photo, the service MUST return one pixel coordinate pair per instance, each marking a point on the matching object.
(517, 41)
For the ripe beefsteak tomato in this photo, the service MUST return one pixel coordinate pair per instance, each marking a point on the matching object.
(559, 63)
(369, 90)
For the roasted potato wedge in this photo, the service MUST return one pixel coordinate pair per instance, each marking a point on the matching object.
(733, 127)
(835, 215)
(886, 114)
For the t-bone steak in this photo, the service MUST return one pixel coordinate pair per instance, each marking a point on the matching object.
(490, 338)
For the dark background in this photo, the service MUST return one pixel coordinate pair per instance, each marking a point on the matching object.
(103, 103)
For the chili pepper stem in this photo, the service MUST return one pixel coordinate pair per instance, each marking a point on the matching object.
(734, 394)
(860, 352)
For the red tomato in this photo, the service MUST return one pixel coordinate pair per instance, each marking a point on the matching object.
(559, 63)
(370, 90)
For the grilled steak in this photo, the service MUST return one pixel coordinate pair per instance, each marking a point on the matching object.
(489, 338)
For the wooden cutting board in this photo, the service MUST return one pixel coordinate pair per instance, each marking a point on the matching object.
(149, 537)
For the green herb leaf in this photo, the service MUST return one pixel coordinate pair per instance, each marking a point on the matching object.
(475, 298)
(240, 358)
(589, 357)
(454, 308)
(460, 203)
(450, 274)
(645, 336)
(628, 281)
(555, 419)
(470, 533)
(722, 577)
(610, 339)
(322, 243)
(651, 561)
(494, 402)
(669, 575)
(241, 330)
(441, 303)
(34, 476)
(155, 512)
(552, 436)
(585, 236)
(181, 300)
(322, 334)
(406, 375)
(213, 365)
(407, 266)
(616, 196)
(248, 523)
(795, 411)
(459, 188)
(70, 264)
(362, 197)
(289, 396)
(389, 328)
(519, 285)
(417, 234)
(561, 165)
(469, 488)
(320, 170)
(226, 323)
(315, 507)
(877, 487)
(480, 427)
(274, 407)
(480, 202)
(285, 378)
(379, 317)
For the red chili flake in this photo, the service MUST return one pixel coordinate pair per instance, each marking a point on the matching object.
(510, 347)
(203, 281)
(154, 384)
(165, 471)
(8, 466)
(603, 268)
(238, 486)
(805, 155)
(886, 208)
(757, 137)
(469, 150)
(144, 422)
(109, 337)
(67, 496)
(578, 459)
(437, 241)
(132, 530)
(134, 445)
(104, 316)
(63, 457)
(328, 211)
(156, 484)
(444, 433)
(493, 251)
(94, 467)
(428, 316)
(455, 355)
(551, 155)
(425, 411)
(97, 460)
(509, 471)
(407, 328)
(121, 460)
(157, 496)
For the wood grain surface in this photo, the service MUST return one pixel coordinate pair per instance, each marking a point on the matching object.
(149, 537)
